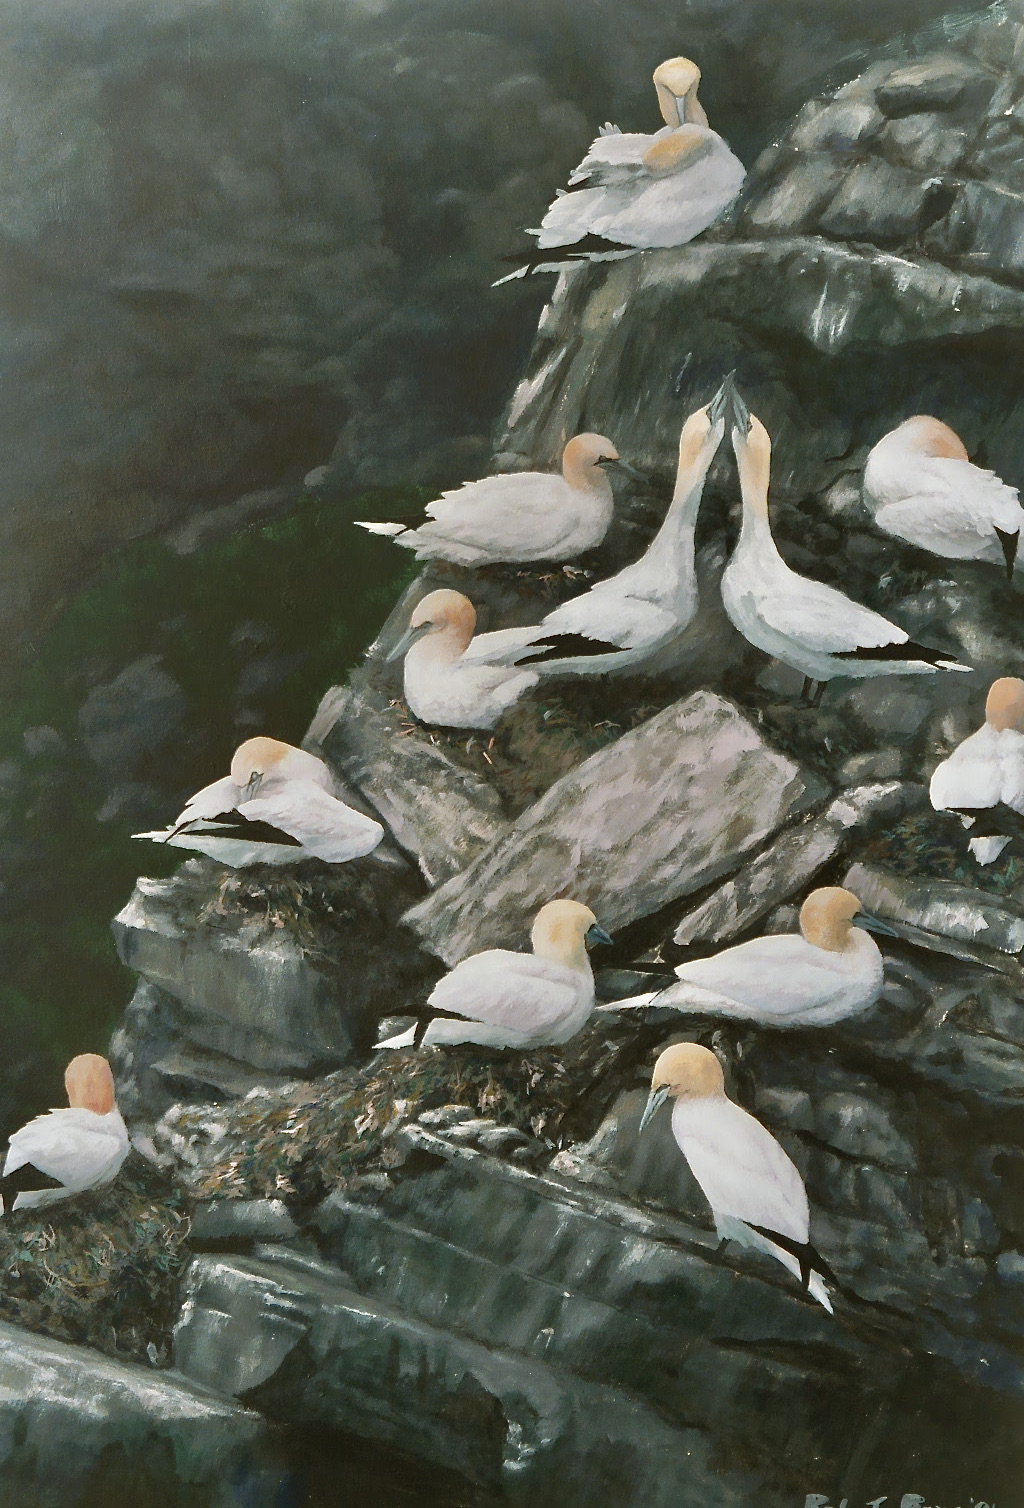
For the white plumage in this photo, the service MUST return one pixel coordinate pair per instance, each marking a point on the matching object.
(745, 1175)
(920, 485)
(982, 781)
(520, 516)
(81, 1147)
(276, 807)
(519, 1000)
(806, 624)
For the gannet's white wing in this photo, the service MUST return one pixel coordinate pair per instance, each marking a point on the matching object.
(497, 648)
(611, 616)
(78, 1147)
(742, 1169)
(822, 619)
(953, 508)
(324, 826)
(971, 778)
(671, 211)
(770, 979)
(510, 990)
(211, 801)
(615, 156)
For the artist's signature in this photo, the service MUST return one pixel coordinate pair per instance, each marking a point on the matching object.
(908, 1500)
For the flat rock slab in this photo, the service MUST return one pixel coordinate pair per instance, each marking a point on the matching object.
(955, 919)
(666, 809)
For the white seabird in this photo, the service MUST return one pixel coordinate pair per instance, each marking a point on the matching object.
(631, 616)
(276, 807)
(982, 781)
(829, 971)
(68, 1151)
(634, 190)
(504, 999)
(756, 1195)
(804, 623)
(519, 516)
(453, 679)
(921, 486)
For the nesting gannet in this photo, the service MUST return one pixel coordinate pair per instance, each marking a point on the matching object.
(634, 190)
(451, 678)
(830, 971)
(804, 623)
(982, 781)
(504, 999)
(756, 1195)
(519, 515)
(68, 1151)
(276, 807)
(920, 486)
(632, 615)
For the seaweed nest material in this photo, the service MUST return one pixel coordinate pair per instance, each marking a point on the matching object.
(101, 1269)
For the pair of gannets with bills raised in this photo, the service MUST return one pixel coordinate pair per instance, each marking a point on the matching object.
(68, 1151)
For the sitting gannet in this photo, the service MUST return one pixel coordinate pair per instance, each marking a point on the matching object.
(519, 515)
(920, 486)
(504, 999)
(632, 615)
(633, 190)
(756, 1195)
(68, 1151)
(806, 624)
(832, 970)
(982, 781)
(276, 807)
(451, 678)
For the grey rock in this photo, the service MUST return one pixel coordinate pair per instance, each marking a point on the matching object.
(43, 741)
(799, 190)
(835, 127)
(935, 83)
(667, 808)
(241, 1222)
(873, 764)
(943, 910)
(1010, 1266)
(877, 202)
(924, 143)
(861, 1127)
(220, 523)
(131, 716)
(887, 707)
(983, 230)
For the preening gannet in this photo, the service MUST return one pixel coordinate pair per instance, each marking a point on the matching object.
(629, 617)
(921, 486)
(451, 678)
(804, 623)
(830, 971)
(504, 999)
(756, 1195)
(634, 190)
(520, 515)
(982, 781)
(276, 807)
(68, 1151)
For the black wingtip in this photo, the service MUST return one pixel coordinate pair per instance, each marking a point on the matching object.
(569, 647)
(910, 650)
(28, 1179)
(1009, 543)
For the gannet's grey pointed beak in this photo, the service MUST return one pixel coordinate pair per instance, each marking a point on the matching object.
(720, 406)
(874, 924)
(625, 468)
(408, 639)
(597, 934)
(253, 784)
(655, 1100)
(1009, 543)
(739, 412)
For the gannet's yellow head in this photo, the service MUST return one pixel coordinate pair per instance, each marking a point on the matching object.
(256, 759)
(90, 1083)
(829, 915)
(685, 1071)
(930, 437)
(754, 460)
(1004, 706)
(561, 931)
(676, 82)
(699, 439)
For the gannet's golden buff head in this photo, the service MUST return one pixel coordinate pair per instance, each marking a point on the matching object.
(699, 439)
(258, 757)
(930, 437)
(826, 918)
(90, 1083)
(685, 1071)
(754, 460)
(676, 82)
(583, 458)
(561, 930)
(1004, 705)
(446, 613)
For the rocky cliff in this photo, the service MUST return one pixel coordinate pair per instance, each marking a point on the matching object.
(474, 1258)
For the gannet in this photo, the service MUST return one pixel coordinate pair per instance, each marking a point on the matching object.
(756, 1195)
(504, 999)
(830, 971)
(634, 190)
(519, 515)
(630, 616)
(982, 781)
(68, 1151)
(920, 486)
(451, 678)
(276, 807)
(806, 624)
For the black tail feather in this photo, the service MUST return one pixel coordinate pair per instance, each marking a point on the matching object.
(554, 257)
(808, 1256)
(28, 1179)
(999, 821)
(908, 651)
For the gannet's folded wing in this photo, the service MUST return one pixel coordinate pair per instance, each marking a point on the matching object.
(743, 1170)
(514, 990)
(58, 1144)
(499, 647)
(826, 621)
(616, 157)
(304, 814)
(970, 777)
(769, 978)
(222, 796)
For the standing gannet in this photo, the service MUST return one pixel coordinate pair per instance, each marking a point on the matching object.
(520, 515)
(634, 190)
(921, 486)
(812, 627)
(632, 615)
(451, 678)
(504, 999)
(830, 971)
(756, 1195)
(276, 807)
(68, 1151)
(982, 781)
